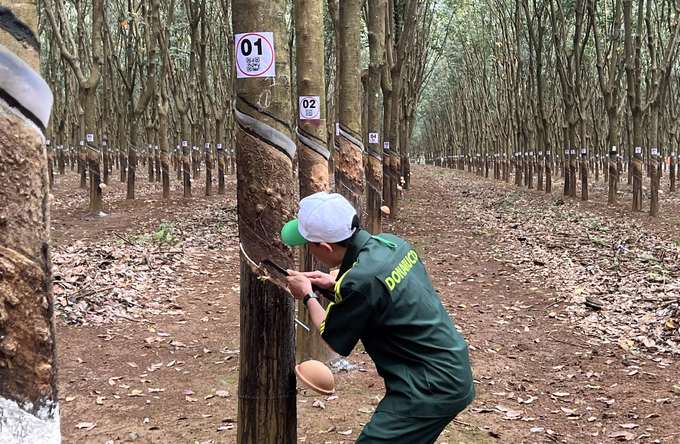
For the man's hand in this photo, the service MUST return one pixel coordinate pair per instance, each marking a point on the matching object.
(298, 284)
(321, 280)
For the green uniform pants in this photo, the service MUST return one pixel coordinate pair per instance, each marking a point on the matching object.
(386, 427)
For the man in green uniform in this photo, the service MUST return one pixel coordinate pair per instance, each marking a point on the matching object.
(383, 297)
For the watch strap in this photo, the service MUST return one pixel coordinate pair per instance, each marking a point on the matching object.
(307, 297)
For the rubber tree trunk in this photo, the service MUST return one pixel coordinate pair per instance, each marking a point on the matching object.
(186, 157)
(82, 159)
(264, 149)
(313, 155)
(610, 169)
(655, 175)
(150, 155)
(374, 172)
(349, 150)
(122, 148)
(29, 410)
(93, 152)
(133, 160)
(671, 171)
(208, 169)
(548, 173)
(584, 178)
(163, 110)
(221, 165)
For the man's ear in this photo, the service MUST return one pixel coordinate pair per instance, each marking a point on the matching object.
(326, 246)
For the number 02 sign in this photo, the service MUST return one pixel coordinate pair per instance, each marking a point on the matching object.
(255, 55)
(310, 108)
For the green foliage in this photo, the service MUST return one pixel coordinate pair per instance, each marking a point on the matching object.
(596, 240)
(510, 201)
(166, 233)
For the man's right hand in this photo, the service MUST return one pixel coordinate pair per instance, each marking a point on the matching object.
(321, 280)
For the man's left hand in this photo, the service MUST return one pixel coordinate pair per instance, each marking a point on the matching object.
(298, 284)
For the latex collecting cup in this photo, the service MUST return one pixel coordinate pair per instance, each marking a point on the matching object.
(316, 376)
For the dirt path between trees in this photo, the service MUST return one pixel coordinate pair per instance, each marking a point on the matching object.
(148, 323)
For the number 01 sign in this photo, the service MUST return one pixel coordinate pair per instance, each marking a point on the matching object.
(255, 55)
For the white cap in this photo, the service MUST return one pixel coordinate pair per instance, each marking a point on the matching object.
(323, 217)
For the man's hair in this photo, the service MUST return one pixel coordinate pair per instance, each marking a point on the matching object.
(356, 224)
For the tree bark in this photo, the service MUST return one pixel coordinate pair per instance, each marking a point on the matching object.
(374, 173)
(89, 155)
(632, 51)
(349, 150)
(313, 155)
(265, 151)
(28, 394)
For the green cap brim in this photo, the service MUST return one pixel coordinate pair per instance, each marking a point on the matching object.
(291, 234)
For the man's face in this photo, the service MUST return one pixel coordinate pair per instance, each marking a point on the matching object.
(325, 254)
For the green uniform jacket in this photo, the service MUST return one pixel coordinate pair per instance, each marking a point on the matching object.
(384, 298)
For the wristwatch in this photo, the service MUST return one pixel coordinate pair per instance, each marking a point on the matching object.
(309, 296)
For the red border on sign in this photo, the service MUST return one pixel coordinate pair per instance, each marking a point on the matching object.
(238, 44)
(317, 115)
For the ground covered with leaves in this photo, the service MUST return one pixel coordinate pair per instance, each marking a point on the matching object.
(570, 309)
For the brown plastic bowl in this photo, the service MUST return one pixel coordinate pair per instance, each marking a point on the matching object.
(316, 376)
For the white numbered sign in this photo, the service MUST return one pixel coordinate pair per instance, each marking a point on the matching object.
(337, 128)
(104, 143)
(82, 143)
(386, 145)
(373, 138)
(638, 149)
(90, 137)
(540, 153)
(207, 145)
(219, 146)
(255, 55)
(655, 151)
(583, 150)
(573, 151)
(547, 153)
(614, 149)
(310, 108)
(184, 143)
(47, 142)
